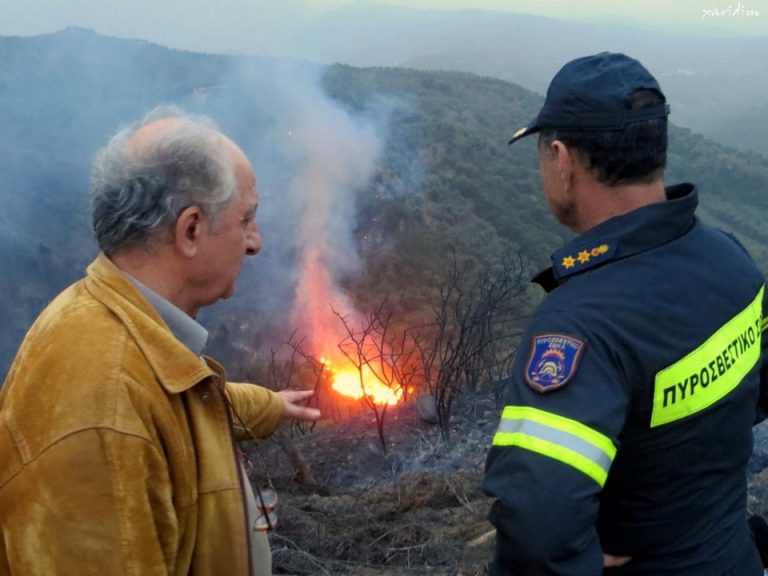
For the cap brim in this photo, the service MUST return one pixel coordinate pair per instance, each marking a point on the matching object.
(532, 128)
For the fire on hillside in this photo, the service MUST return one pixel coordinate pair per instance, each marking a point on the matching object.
(358, 383)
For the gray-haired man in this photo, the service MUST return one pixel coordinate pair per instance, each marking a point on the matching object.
(117, 451)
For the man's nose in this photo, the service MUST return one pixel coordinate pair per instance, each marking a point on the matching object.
(253, 241)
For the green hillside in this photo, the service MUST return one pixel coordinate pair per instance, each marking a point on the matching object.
(446, 178)
(481, 195)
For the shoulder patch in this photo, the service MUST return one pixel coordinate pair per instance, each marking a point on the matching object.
(553, 361)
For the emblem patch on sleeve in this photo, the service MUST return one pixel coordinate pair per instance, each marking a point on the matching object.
(553, 361)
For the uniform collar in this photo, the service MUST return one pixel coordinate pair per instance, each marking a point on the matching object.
(625, 235)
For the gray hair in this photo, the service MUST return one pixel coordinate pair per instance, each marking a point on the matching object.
(136, 195)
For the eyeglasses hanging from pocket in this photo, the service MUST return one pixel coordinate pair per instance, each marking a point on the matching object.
(267, 519)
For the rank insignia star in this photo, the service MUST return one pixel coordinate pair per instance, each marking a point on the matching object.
(586, 258)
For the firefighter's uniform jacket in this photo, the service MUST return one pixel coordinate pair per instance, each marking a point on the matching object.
(627, 424)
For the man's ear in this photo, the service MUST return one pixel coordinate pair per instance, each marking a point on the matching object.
(187, 231)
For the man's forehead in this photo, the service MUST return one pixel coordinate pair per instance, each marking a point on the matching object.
(244, 175)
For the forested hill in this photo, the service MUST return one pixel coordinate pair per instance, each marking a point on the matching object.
(445, 177)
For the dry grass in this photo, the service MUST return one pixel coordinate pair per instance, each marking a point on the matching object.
(412, 511)
(421, 524)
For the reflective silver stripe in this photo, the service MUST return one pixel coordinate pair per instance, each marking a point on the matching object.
(558, 437)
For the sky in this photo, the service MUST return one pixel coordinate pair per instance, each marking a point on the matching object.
(263, 26)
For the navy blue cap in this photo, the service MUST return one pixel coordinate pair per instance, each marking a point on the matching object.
(592, 94)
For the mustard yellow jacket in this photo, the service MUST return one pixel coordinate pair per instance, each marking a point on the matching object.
(116, 451)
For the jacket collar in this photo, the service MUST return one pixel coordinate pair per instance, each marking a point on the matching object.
(624, 235)
(176, 366)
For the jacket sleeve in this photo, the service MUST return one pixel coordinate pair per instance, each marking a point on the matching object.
(259, 408)
(96, 494)
(564, 407)
(761, 412)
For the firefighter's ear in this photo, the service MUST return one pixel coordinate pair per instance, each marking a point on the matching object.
(564, 160)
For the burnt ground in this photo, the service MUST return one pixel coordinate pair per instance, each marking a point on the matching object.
(415, 510)
(757, 499)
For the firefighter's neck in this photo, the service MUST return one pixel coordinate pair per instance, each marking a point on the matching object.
(596, 202)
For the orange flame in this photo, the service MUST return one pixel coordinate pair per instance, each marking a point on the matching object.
(346, 381)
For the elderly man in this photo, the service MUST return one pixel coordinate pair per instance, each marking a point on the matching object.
(627, 426)
(117, 452)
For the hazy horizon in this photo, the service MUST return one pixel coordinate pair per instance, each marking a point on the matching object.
(264, 27)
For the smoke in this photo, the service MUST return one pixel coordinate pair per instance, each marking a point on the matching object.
(340, 155)
(313, 158)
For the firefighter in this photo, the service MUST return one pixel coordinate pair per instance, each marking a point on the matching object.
(627, 420)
